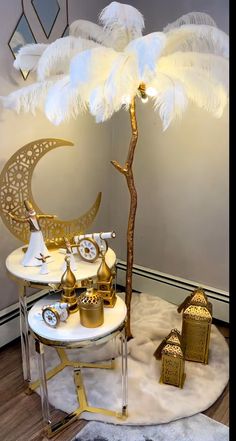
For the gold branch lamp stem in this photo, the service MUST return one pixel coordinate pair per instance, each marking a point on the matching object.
(128, 173)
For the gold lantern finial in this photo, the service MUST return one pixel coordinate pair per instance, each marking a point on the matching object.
(105, 282)
(170, 351)
(68, 282)
(196, 326)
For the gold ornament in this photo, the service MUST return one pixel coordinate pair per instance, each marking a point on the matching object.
(91, 308)
(68, 282)
(15, 186)
(105, 283)
(196, 326)
(171, 352)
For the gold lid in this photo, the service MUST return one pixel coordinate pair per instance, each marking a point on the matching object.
(170, 345)
(68, 279)
(198, 307)
(90, 299)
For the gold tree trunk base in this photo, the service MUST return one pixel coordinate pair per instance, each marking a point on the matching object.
(128, 173)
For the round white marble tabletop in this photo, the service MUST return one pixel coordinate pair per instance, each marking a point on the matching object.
(84, 269)
(71, 333)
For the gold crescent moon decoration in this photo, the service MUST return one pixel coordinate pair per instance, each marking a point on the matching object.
(15, 187)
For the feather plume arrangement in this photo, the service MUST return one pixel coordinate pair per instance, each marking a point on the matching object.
(63, 102)
(197, 38)
(100, 67)
(57, 56)
(92, 66)
(28, 56)
(195, 18)
(88, 30)
(147, 51)
(29, 98)
(122, 22)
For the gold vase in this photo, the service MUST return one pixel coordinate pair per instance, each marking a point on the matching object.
(91, 308)
(105, 283)
(68, 282)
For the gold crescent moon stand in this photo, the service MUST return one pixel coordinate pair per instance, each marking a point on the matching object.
(15, 187)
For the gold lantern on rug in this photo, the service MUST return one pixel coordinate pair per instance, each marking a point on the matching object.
(196, 326)
(91, 307)
(170, 351)
(68, 282)
(105, 283)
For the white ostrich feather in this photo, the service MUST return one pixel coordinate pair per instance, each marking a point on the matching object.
(171, 99)
(123, 22)
(198, 38)
(63, 102)
(28, 56)
(29, 98)
(197, 18)
(147, 50)
(92, 66)
(89, 30)
(214, 66)
(202, 89)
(123, 80)
(99, 106)
(56, 58)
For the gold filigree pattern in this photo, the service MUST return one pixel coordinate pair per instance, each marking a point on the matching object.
(172, 350)
(197, 313)
(196, 340)
(196, 326)
(15, 187)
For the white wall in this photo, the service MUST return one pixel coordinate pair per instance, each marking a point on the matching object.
(66, 181)
(181, 175)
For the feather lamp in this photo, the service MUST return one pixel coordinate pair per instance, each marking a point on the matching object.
(105, 67)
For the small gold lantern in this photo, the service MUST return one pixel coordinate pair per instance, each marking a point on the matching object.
(171, 352)
(91, 308)
(68, 282)
(196, 326)
(105, 283)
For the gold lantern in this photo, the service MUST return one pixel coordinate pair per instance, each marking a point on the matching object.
(68, 282)
(171, 352)
(196, 326)
(105, 283)
(91, 308)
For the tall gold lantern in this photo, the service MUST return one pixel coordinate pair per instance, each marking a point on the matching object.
(105, 283)
(196, 326)
(68, 282)
(170, 351)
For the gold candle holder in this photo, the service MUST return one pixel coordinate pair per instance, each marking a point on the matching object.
(105, 283)
(91, 308)
(68, 282)
(170, 351)
(196, 326)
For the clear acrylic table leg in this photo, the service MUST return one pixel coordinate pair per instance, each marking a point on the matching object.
(24, 333)
(43, 382)
(124, 373)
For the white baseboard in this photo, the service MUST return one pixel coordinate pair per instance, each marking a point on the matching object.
(10, 319)
(170, 288)
(173, 289)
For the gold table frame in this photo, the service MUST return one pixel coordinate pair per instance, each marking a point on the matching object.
(53, 428)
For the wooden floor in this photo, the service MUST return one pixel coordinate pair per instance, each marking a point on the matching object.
(21, 418)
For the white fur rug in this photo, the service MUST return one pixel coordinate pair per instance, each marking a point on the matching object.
(196, 428)
(149, 402)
